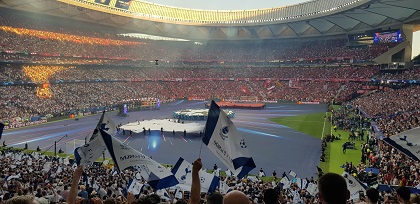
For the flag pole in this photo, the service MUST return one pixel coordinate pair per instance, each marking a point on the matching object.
(201, 146)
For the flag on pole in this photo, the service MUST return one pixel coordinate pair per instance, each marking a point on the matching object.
(182, 171)
(105, 124)
(292, 173)
(90, 152)
(312, 189)
(354, 186)
(286, 182)
(94, 147)
(224, 140)
(124, 156)
(135, 187)
(223, 187)
(1, 129)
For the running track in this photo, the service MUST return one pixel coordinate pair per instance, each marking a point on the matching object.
(273, 146)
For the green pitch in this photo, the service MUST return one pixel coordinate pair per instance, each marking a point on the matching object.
(313, 124)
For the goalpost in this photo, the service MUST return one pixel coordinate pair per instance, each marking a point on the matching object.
(72, 145)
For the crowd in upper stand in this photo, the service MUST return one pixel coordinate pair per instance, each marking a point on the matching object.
(15, 73)
(405, 74)
(32, 33)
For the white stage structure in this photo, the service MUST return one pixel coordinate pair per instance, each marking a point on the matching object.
(168, 125)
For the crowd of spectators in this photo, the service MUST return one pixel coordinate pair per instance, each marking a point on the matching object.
(409, 74)
(17, 73)
(46, 179)
(33, 34)
(395, 110)
(395, 168)
(49, 180)
(308, 84)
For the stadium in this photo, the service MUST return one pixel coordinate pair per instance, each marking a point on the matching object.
(308, 88)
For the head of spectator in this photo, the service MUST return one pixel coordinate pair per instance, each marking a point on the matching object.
(415, 198)
(215, 198)
(23, 199)
(235, 197)
(372, 195)
(333, 189)
(270, 196)
(403, 194)
(181, 202)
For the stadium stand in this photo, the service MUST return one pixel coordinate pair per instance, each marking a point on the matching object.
(54, 56)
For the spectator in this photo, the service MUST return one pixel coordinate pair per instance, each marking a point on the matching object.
(235, 197)
(23, 199)
(372, 196)
(333, 189)
(403, 195)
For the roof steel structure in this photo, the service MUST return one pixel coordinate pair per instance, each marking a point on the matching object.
(310, 19)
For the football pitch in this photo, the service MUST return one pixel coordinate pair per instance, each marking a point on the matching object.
(314, 125)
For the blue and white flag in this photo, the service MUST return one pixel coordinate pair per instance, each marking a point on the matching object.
(135, 187)
(304, 183)
(217, 172)
(312, 189)
(86, 179)
(292, 173)
(124, 156)
(182, 171)
(228, 173)
(1, 129)
(224, 187)
(286, 182)
(354, 186)
(105, 124)
(224, 140)
(163, 194)
(94, 147)
(90, 152)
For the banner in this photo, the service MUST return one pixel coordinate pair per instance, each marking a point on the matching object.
(406, 142)
(104, 2)
(224, 140)
(123, 4)
(183, 173)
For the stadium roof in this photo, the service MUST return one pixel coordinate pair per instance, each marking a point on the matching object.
(227, 5)
(309, 19)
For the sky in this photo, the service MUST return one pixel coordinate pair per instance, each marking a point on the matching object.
(227, 4)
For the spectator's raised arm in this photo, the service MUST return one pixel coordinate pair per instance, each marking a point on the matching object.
(195, 186)
(74, 183)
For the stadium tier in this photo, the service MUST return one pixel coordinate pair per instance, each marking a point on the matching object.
(315, 87)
